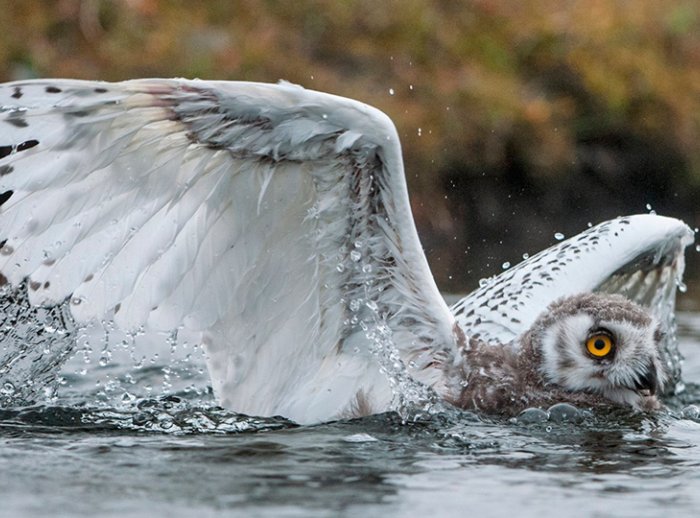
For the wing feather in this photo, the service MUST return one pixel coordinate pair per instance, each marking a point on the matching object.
(270, 219)
(640, 257)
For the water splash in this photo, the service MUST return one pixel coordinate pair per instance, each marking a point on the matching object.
(411, 399)
(168, 415)
(34, 343)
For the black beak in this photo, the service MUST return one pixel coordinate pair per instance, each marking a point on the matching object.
(648, 381)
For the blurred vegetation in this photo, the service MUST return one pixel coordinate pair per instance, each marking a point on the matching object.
(518, 118)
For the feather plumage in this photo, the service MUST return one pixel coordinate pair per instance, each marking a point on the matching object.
(273, 223)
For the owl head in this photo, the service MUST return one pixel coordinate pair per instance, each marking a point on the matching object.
(601, 344)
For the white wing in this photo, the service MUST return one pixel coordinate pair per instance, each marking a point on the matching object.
(640, 257)
(271, 219)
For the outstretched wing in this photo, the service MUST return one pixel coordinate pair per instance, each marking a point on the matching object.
(271, 219)
(639, 256)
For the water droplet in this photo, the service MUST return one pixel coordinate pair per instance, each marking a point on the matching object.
(526, 256)
(505, 265)
(355, 256)
(8, 389)
(559, 236)
(105, 359)
(648, 205)
(697, 248)
(420, 132)
(391, 91)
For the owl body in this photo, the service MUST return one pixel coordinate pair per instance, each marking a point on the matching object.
(587, 350)
(272, 225)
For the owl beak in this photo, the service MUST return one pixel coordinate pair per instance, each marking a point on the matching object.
(648, 381)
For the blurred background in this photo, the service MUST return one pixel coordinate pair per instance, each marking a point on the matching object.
(519, 119)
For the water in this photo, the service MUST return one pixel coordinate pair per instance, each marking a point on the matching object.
(146, 440)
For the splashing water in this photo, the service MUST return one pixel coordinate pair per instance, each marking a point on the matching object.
(411, 399)
(36, 341)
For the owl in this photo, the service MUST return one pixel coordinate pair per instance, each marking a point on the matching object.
(587, 349)
(272, 225)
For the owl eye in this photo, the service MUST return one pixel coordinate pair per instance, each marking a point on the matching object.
(599, 345)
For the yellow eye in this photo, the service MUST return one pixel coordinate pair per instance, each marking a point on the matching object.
(599, 345)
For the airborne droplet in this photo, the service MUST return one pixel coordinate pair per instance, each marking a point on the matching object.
(8, 389)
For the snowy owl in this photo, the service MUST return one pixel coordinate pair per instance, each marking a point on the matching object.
(586, 349)
(273, 223)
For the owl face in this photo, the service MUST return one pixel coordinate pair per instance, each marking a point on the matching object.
(602, 344)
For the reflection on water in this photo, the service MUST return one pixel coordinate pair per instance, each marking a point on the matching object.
(142, 449)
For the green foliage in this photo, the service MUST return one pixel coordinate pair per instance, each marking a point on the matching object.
(468, 77)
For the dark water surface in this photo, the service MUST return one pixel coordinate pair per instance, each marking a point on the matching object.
(113, 443)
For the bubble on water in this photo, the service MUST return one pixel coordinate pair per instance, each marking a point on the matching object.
(526, 256)
(340, 267)
(366, 268)
(697, 248)
(355, 256)
(559, 236)
(484, 282)
(532, 416)
(391, 91)
(505, 265)
(565, 413)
